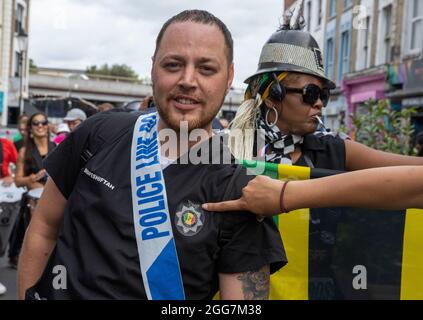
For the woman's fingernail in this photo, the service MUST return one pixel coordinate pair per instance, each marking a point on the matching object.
(205, 206)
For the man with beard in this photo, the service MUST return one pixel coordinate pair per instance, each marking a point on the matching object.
(124, 220)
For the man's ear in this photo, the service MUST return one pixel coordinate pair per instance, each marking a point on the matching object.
(152, 69)
(230, 77)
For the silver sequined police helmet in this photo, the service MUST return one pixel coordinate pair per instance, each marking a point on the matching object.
(290, 50)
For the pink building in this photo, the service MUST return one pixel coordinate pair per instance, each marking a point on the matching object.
(359, 87)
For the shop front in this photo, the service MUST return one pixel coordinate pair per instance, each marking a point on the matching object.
(360, 87)
(335, 114)
(407, 78)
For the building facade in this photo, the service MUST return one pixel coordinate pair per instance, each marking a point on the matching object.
(389, 56)
(339, 55)
(14, 59)
(314, 13)
(372, 50)
(379, 30)
(405, 77)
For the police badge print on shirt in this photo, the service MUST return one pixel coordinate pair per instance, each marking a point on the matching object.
(189, 218)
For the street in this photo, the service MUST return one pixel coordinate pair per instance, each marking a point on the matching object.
(8, 278)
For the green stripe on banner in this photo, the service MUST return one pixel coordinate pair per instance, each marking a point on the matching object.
(261, 168)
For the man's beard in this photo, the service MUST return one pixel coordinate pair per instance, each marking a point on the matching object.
(203, 121)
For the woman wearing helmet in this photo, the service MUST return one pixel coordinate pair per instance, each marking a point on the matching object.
(283, 104)
(278, 120)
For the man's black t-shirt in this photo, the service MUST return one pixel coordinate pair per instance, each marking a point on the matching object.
(97, 245)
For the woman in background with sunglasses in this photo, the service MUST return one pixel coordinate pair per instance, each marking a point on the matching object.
(30, 174)
(279, 118)
(29, 169)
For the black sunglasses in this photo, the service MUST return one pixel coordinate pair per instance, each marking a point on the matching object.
(38, 123)
(311, 93)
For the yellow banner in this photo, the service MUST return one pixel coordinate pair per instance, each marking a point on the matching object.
(412, 256)
(291, 282)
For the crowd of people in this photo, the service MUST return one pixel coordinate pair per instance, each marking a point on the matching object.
(149, 225)
(35, 140)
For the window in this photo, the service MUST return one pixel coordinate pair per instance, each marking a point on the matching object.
(416, 25)
(332, 8)
(330, 55)
(344, 63)
(319, 13)
(19, 22)
(387, 16)
(347, 4)
(366, 43)
(17, 65)
(308, 14)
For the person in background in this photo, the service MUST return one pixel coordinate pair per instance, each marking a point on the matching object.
(419, 144)
(29, 170)
(74, 118)
(62, 132)
(52, 127)
(105, 107)
(225, 123)
(19, 138)
(148, 102)
(30, 173)
(8, 154)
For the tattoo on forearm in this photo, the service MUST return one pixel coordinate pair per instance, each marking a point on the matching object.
(255, 284)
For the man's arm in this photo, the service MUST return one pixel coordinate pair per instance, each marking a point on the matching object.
(250, 285)
(40, 237)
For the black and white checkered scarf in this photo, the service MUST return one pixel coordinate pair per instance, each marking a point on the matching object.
(281, 145)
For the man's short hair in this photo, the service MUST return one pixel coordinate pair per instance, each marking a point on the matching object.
(203, 17)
